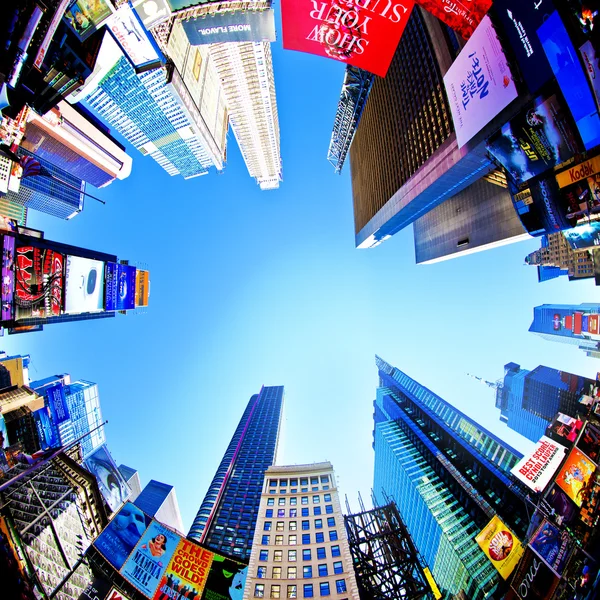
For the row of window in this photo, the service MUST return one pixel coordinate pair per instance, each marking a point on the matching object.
(293, 525)
(303, 481)
(307, 571)
(263, 555)
(307, 588)
(293, 501)
(293, 512)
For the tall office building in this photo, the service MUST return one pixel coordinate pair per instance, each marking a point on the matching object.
(573, 324)
(158, 500)
(300, 547)
(227, 516)
(448, 476)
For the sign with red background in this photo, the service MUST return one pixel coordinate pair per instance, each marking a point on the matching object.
(461, 15)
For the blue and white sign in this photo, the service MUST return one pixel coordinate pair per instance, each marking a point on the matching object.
(57, 402)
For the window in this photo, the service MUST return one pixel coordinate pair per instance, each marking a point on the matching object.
(316, 499)
(267, 525)
(324, 588)
(323, 570)
(317, 510)
(277, 555)
(280, 526)
(319, 537)
(318, 523)
(292, 571)
(281, 502)
(305, 512)
(329, 509)
(283, 482)
(265, 540)
(269, 513)
(305, 525)
(333, 536)
(293, 512)
(293, 482)
(261, 572)
(293, 525)
(304, 500)
(335, 550)
(292, 541)
(292, 591)
(264, 555)
(340, 586)
(276, 591)
(324, 478)
(321, 553)
(330, 521)
(281, 512)
(270, 501)
(304, 481)
(308, 590)
(272, 482)
(305, 538)
(291, 556)
(327, 498)
(307, 572)
(279, 540)
(337, 567)
(314, 481)
(259, 590)
(306, 554)
(276, 572)
(293, 501)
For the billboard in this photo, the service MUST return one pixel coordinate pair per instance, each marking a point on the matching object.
(39, 282)
(235, 26)
(537, 469)
(113, 487)
(463, 16)
(533, 579)
(590, 62)
(564, 509)
(86, 16)
(120, 536)
(148, 561)
(357, 32)
(564, 429)
(152, 12)
(589, 442)
(575, 474)
(125, 287)
(110, 286)
(479, 83)
(8, 277)
(584, 236)
(142, 287)
(552, 545)
(502, 548)
(84, 288)
(3, 433)
(47, 433)
(226, 579)
(57, 403)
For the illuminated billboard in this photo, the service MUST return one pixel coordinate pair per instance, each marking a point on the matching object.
(110, 286)
(533, 578)
(463, 16)
(575, 475)
(358, 32)
(142, 287)
(552, 545)
(536, 469)
(501, 546)
(236, 26)
(152, 12)
(113, 487)
(84, 291)
(479, 83)
(125, 287)
(586, 235)
(56, 401)
(85, 17)
(8, 277)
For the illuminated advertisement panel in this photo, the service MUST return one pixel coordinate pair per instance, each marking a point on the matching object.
(590, 62)
(363, 33)
(125, 287)
(462, 16)
(226, 579)
(501, 546)
(536, 470)
(110, 286)
(564, 429)
(479, 83)
(237, 26)
(584, 236)
(562, 505)
(113, 487)
(8, 277)
(575, 474)
(39, 282)
(142, 287)
(152, 12)
(46, 432)
(533, 578)
(552, 545)
(84, 290)
(86, 16)
(57, 403)
(589, 442)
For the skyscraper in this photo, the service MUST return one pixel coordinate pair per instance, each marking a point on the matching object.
(448, 476)
(227, 516)
(573, 324)
(158, 500)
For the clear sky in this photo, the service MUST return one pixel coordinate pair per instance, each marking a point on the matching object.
(251, 288)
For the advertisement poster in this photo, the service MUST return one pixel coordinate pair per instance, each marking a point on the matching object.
(552, 545)
(152, 12)
(113, 487)
(187, 572)
(537, 469)
(84, 285)
(96, 590)
(120, 536)
(3, 433)
(590, 63)
(463, 16)
(142, 288)
(533, 580)
(589, 442)
(575, 475)
(584, 236)
(125, 287)
(110, 286)
(537, 139)
(39, 282)
(150, 558)
(46, 432)
(226, 579)
(86, 16)
(502, 548)
(357, 32)
(57, 402)
(564, 429)
(236, 26)
(479, 83)
(8, 277)
(562, 505)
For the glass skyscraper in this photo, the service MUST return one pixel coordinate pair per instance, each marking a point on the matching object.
(448, 476)
(228, 514)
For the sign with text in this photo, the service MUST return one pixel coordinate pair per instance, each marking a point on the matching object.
(363, 33)
(533, 579)
(500, 545)
(479, 83)
(584, 236)
(552, 545)
(57, 403)
(85, 16)
(142, 287)
(463, 16)
(537, 469)
(8, 277)
(110, 286)
(575, 474)
(125, 287)
(84, 288)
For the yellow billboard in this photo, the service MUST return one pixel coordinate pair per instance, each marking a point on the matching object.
(500, 545)
(142, 288)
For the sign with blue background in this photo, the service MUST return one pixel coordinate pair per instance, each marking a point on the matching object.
(110, 286)
(57, 402)
(125, 287)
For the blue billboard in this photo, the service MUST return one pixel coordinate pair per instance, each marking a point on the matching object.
(125, 287)
(57, 402)
(46, 430)
(110, 286)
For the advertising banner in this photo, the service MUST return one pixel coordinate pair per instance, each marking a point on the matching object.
(125, 287)
(150, 558)
(142, 288)
(575, 474)
(463, 16)
(188, 568)
(533, 580)
(584, 236)
(113, 487)
(552, 545)
(152, 12)
(120, 536)
(564, 429)
(537, 469)
(537, 139)
(84, 285)
(86, 16)
(226, 579)
(590, 62)
(502, 548)
(3, 434)
(363, 33)
(39, 282)
(96, 590)
(589, 442)
(46, 432)
(57, 403)
(8, 277)
(479, 83)
(563, 507)
(110, 286)
(237, 26)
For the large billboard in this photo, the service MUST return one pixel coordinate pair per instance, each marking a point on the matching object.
(56, 401)
(463, 16)
(39, 282)
(142, 287)
(536, 470)
(479, 83)
(362, 33)
(125, 287)
(584, 236)
(86, 16)
(84, 290)
(110, 286)
(552, 545)
(8, 277)
(236, 26)
(501, 546)
(113, 487)
(575, 475)
(533, 579)
(152, 12)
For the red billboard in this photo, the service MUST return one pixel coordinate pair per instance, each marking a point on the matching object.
(363, 33)
(461, 15)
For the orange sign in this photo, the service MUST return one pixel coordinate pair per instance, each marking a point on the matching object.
(142, 288)
(502, 548)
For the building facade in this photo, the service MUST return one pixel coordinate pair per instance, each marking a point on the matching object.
(448, 477)
(300, 547)
(158, 500)
(227, 516)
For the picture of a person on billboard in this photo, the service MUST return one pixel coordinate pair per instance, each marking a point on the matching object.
(157, 545)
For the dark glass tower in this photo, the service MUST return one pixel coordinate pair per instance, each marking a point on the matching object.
(448, 476)
(227, 516)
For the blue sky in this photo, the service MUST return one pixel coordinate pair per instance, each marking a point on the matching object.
(251, 288)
